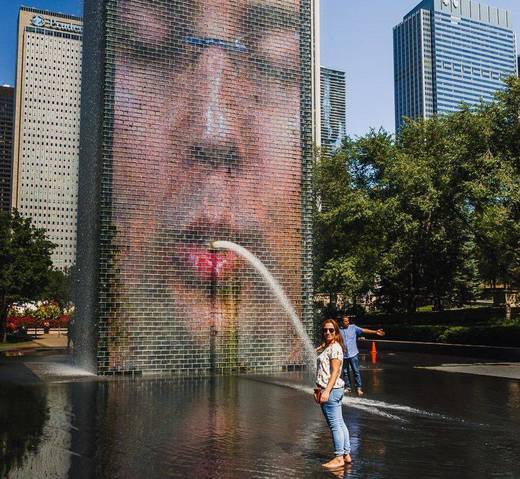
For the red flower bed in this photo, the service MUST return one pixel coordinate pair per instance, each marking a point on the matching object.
(15, 322)
(61, 322)
(29, 322)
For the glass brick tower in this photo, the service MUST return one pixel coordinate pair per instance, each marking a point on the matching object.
(198, 126)
(450, 51)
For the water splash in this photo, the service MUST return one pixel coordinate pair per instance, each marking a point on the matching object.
(57, 371)
(378, 408)
(277, 291)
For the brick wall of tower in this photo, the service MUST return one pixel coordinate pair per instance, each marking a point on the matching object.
(197, 128)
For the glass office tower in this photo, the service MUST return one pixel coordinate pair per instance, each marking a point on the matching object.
(450, 51)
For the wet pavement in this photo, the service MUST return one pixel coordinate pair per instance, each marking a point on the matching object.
(412, 423)
(55, 341)
(500, 370)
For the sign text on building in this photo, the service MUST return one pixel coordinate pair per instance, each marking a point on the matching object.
(39, 21)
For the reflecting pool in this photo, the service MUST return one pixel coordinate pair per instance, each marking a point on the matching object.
(411, 423)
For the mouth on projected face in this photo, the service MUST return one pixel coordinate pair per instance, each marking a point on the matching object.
(210, 265)
(194, 253)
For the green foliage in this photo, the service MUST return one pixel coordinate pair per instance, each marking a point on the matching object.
(47, 312)
(500, 227)
(346, 214)
(493, 334)
(427, 217)
(25, 262)
(459, 317)
(59, 287)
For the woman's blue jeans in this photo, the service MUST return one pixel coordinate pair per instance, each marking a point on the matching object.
(334, 416)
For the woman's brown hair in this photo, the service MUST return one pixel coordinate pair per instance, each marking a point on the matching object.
(337, 335)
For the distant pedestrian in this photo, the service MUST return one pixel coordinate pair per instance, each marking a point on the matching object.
(70, 334)
(350, 332)
(329, 392)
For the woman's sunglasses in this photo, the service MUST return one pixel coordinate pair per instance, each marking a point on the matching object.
(329, 330)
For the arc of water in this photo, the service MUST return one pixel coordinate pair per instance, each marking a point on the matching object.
(277, 291)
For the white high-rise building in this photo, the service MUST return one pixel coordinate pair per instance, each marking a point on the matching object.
(47, 118)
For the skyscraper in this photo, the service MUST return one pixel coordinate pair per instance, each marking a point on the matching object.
(47, 116)
(316, 71)
(6, 145)
(450, 51)
(333, 107)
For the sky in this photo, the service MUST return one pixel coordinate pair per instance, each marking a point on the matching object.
(356, 37)
(9, 15)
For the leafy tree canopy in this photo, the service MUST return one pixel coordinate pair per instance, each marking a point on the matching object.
(25, 262)
(428, 216)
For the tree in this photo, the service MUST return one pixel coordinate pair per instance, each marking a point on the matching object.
(427, 217)
(347, 244)
(504, 258)
(393, 214)
(444, 165)
(59, 287)
(25, 263)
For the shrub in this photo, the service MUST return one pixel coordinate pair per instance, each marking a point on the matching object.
(498, 334)
(31, 322)
(47, 312)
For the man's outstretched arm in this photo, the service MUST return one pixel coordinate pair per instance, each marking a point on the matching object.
(378, 332)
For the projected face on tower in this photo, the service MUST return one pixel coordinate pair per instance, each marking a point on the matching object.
(206, 146)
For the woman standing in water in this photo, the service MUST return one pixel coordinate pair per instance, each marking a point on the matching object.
(329, 391)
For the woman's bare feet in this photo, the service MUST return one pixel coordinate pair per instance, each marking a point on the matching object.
(335, 463)
(347, 459)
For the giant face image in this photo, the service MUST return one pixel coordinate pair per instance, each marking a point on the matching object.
(205, 146)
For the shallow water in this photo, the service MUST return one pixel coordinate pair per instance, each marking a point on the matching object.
(412, 423)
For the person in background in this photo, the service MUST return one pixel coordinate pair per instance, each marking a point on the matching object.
(329, 392)
(70, 334)
(349, 333)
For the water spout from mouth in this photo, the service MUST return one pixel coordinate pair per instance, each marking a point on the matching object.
(277, 291)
